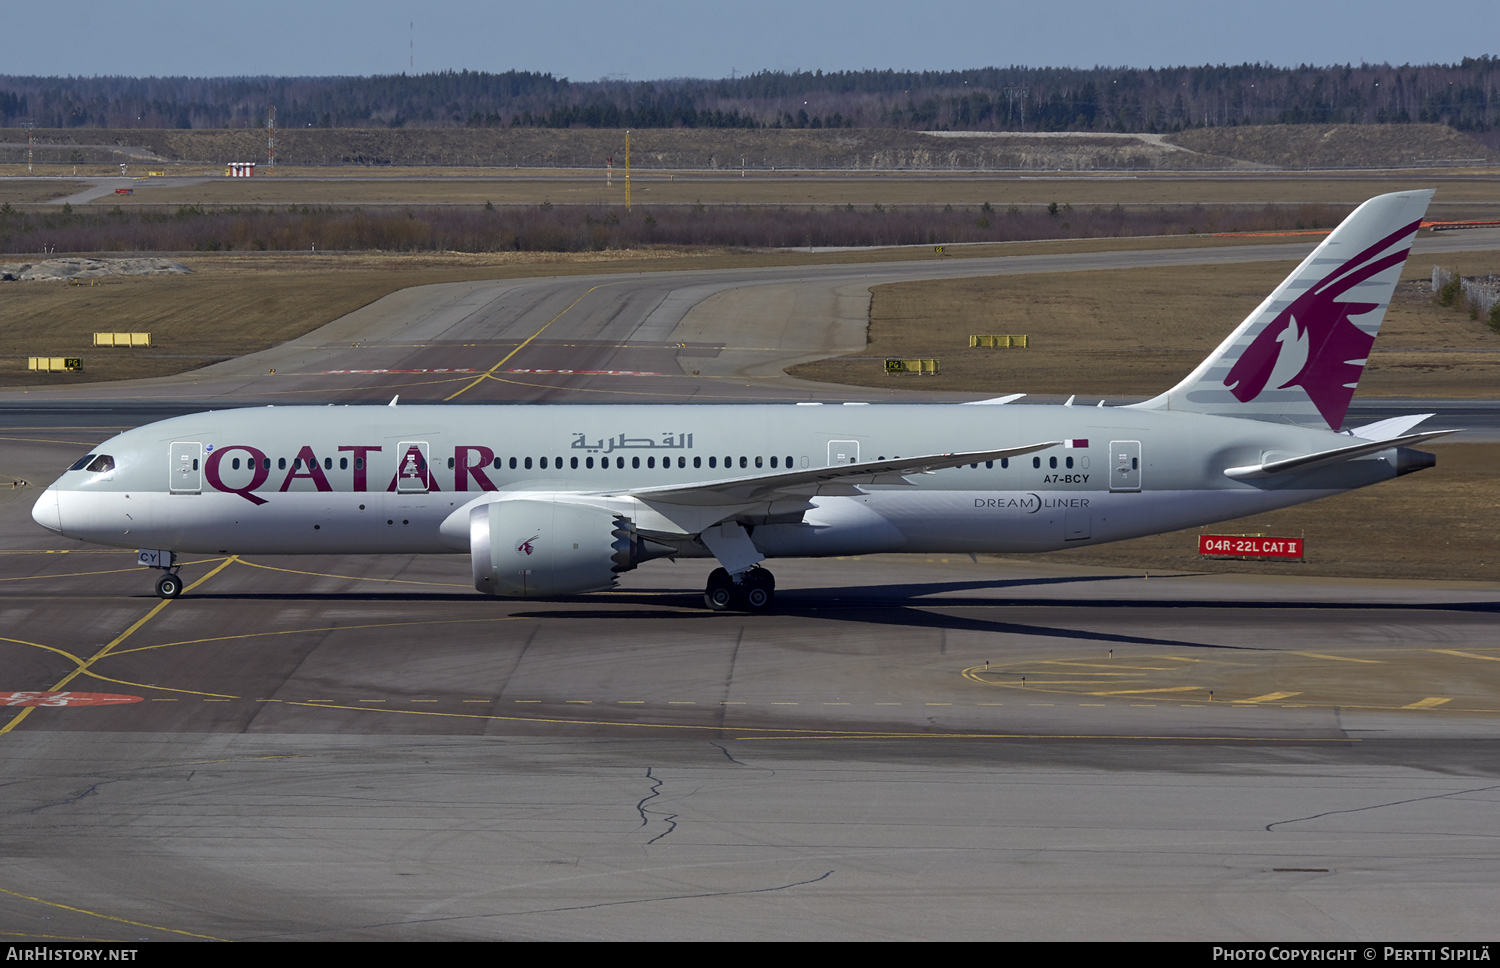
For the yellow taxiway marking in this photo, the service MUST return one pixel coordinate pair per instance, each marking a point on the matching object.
(487, 374)
(319, 574)
(1338, 658)
(108, 917)
(1468, 655)
(330, 628)
(1106, 665)
(47, 440)
(71, 574)
(1268, 697)
(1140, 692)
(83, 667)
(1427, 703)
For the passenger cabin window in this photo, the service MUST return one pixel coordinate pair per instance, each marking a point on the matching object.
(1036, 462)
(281, 463)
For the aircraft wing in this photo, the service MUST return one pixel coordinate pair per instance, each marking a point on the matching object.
(836, 479)
(1308, 462)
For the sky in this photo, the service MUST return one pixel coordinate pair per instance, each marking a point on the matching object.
(653, 39)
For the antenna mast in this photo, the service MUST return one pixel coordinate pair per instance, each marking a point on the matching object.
(271, 139)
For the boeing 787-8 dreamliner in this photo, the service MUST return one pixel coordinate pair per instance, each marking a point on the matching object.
(559, 500)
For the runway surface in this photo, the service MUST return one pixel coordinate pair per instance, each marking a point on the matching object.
(910, 747)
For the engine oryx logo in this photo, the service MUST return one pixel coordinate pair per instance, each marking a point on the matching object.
(1312, 343)
(525, 548)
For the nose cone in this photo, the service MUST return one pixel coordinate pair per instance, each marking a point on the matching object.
(46, 511)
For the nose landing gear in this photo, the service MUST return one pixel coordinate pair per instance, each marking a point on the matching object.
(753, 590)
(169, 585)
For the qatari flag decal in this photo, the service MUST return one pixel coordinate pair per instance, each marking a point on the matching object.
(1078, 443)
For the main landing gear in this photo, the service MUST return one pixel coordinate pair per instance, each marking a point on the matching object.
(749, 591)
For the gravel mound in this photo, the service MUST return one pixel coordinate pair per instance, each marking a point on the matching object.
(54, 270)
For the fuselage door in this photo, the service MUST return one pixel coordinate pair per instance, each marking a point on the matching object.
(412, 471)
(843, 452)
(186, 473)
(1124, 465)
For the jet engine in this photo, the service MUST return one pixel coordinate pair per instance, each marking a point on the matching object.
(539, 548)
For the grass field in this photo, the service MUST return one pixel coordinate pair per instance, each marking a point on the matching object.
(28, 191)
(1240, 147)
(238, 303)
(1441, 523)
(1459, 196)
(1136, 332)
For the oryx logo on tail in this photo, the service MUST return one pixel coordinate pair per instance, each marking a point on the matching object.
(1312, 343)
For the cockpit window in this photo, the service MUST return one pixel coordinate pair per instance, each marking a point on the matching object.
(82, 462)
(103, 462)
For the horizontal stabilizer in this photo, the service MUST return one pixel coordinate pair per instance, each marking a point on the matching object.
(993, 401)
(1324, 458)
(1390, 427)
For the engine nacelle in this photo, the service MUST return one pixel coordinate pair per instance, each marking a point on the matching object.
(541, 548)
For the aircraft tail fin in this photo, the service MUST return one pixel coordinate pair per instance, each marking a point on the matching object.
(1299, 356)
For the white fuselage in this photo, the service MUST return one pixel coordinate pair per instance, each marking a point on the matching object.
(380, 480)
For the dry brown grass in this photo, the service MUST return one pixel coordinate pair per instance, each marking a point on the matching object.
(34, 192)
(1441, 523)
(1135, 332)
(1459, 195)
(237, 303)
(1337, 145)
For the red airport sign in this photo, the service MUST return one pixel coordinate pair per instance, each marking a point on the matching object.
(1248, 546)
(37, 698)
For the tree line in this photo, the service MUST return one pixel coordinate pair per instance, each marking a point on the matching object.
(1465, 96)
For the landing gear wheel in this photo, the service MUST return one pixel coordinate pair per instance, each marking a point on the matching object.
(719, 594)
(169, 585)
(758, 588)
